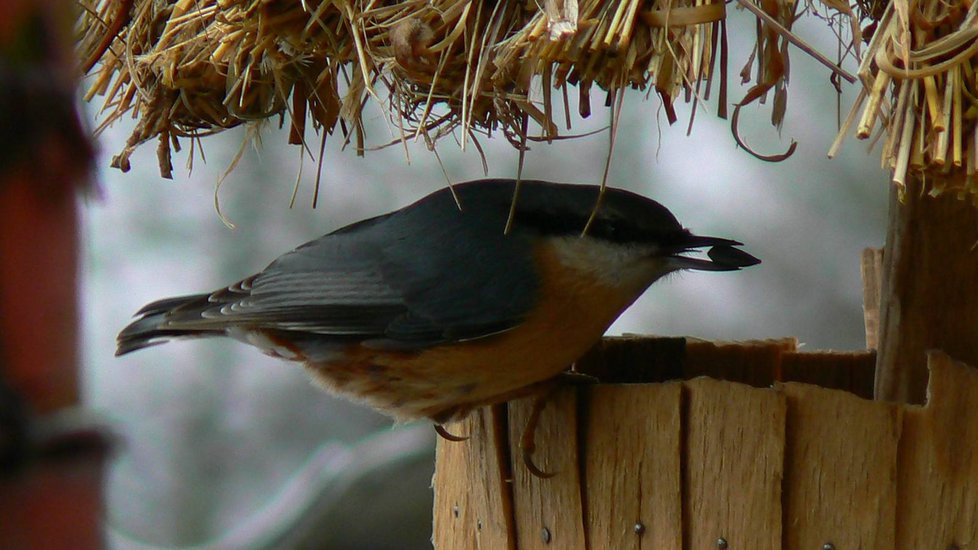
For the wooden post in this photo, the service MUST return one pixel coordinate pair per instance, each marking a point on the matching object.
(929, 299)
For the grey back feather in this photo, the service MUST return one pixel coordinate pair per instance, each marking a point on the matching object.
(425, 274)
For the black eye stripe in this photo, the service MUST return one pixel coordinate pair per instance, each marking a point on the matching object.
(616, 230)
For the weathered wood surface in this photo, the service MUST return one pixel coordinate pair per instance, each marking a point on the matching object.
(686, 463)
(734, 460)
(473, 505)
(548, 510)
(871, 269)
(938, 475)
(928, 299)
(848, 371)
(840, 464)
(632, 464)
(755, 363)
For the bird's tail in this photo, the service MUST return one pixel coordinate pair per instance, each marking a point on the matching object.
(154, 325)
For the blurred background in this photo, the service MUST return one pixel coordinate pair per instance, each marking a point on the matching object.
(226, 448)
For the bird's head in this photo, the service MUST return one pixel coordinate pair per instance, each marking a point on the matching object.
(616, 235)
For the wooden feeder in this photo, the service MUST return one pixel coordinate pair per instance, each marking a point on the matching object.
(778, 449)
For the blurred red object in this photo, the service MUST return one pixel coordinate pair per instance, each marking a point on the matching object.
(51, 495)
(45, 159)
(50, 462)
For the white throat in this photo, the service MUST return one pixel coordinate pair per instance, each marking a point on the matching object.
(630, 266)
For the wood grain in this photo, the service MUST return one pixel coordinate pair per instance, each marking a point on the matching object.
(757, 363)
(734, 462)
(852, 371)
(938, 465)
(548, 511)
(928, 296)
(840, 463)
(871, 268)
(634, 359)
(794, 467)
(632, 466)
(473, 506)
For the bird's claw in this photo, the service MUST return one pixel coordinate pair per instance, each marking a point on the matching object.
(528, 439)
(527, 442)
(449, 436)
(532, 467)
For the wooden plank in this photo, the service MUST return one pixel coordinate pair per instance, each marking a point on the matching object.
(548, 512)
(634, 359)
(928, 298)
(734, 462)
(871, 269)
(840, 463)
(938, 469)
(632, 466)
(853, 372)
(472, 507)
(757, 363)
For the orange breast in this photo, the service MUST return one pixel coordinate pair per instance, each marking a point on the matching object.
(446, 382)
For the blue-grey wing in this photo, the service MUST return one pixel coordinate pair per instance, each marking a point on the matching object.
(471, 281)
(413, 278)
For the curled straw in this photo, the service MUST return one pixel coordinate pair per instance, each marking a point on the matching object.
(188, 68)
(920, 77)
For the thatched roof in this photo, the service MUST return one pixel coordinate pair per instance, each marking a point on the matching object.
(192, 68)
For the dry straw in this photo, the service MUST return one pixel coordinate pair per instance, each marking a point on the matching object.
(920, 77)
(189, 68)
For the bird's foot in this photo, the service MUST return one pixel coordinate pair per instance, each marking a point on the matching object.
(528, 440)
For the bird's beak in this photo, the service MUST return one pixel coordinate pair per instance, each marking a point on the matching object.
(723, 255)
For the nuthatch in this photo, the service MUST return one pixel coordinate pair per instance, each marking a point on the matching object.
(436, 309)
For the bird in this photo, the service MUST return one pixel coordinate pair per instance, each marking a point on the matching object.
(476, 294)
